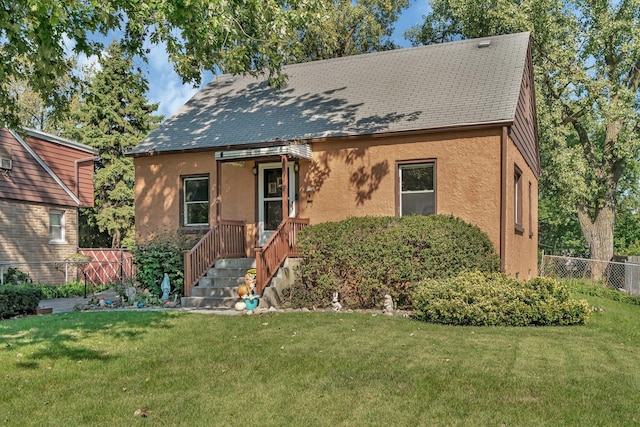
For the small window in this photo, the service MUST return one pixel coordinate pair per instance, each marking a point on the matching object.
(196, 201)
(56, 227)
(517, 198)
(417, 193)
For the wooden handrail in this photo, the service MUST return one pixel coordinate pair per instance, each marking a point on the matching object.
(282, 244)
(225, 240)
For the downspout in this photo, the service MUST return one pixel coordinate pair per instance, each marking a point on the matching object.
(503, 196)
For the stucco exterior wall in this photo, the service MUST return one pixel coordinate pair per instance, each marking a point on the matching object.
(521, 246)
(157, 190)
(358, 177)
(159, 184)
(24, 233)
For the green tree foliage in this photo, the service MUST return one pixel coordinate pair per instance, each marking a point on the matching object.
(113, 117)
(235, 36)
(350, 28)
(32, 112)
(587, 74)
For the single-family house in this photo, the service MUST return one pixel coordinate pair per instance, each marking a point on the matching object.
(447, 128)
(44, 179)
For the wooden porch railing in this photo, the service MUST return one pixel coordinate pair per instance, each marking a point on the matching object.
(225, 240)
(283, 243)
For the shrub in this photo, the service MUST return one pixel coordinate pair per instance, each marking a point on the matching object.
(18, 300)
(162, 254)
(365, 258)
(68, 290)
(474, 298)
(13, 276)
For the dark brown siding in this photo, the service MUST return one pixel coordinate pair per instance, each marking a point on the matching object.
(62, 161)
(524, 131)
(28, 181)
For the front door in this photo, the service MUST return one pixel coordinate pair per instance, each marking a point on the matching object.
(270, 198)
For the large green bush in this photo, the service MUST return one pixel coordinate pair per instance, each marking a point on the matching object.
(474, 298)
(18, 300)
(162, 254)
(365, 258)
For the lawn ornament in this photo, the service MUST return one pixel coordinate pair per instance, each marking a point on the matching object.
(243, 290)
(335, 303)
(165, 286)
(388, 305)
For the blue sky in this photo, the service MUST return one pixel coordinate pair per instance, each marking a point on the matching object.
(166, 88)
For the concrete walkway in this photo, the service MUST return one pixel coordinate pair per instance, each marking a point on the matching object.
(63, 305)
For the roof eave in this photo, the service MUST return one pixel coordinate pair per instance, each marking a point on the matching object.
(452, 128)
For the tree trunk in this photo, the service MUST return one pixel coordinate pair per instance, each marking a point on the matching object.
(599, 237)
(115, 239)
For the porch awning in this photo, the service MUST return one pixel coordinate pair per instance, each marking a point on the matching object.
(299, 151)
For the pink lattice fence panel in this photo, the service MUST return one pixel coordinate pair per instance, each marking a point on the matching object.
(108, 266)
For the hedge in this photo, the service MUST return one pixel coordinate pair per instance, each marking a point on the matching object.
(367, 257)
(18, 300)
(475, 298)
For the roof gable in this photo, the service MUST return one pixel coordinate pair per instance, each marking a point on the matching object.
(31, 179)
(429, 87)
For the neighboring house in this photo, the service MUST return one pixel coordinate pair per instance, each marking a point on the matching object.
(44, 179)
(448, 129)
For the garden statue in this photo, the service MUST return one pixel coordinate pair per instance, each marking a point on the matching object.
(335, 303)
(165, 286)
(388, 305)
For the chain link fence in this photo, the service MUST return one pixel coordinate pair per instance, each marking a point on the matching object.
(624, 276)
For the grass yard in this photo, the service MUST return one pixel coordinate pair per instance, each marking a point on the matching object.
(317, 369)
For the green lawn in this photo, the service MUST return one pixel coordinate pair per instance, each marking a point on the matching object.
(317, 369)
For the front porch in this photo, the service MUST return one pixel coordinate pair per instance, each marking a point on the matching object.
(275, 207)
(226, 240)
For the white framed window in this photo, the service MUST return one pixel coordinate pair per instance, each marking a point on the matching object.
(196, 201)
(56, 227)
(417, 189)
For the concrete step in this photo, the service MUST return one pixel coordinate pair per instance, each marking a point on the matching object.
(243, 263)
(208, 302)
(219, 292)
(226, 272)
(221, 282)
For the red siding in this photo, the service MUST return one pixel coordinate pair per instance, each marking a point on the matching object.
(28, 181)
(62, 161)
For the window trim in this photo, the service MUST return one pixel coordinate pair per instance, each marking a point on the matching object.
(398, 183)
(517, 199)
(62, 226)
(183, 202)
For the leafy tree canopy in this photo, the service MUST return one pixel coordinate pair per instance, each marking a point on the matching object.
(113, 116)
(587, 74)
(236, 36)
(350, 28)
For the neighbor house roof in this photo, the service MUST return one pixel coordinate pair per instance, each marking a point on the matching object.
(470, 82)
